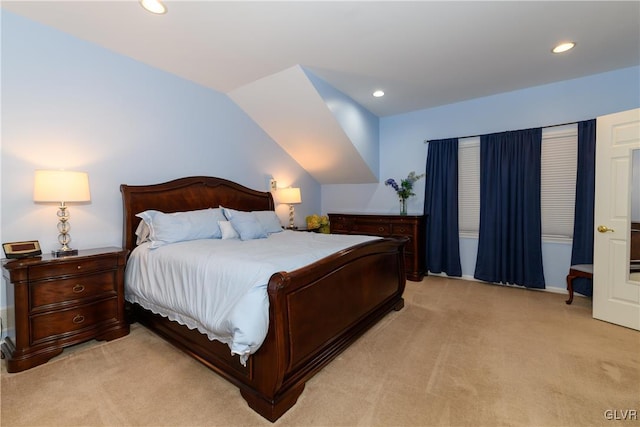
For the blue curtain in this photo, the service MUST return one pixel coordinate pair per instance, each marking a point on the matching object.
(441, 208)
(582, 250)
(510, 238)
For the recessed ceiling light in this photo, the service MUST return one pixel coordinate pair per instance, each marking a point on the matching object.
(378, 93)
(154, 6)
(563, 47)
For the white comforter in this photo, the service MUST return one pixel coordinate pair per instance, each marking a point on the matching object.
(220, 286)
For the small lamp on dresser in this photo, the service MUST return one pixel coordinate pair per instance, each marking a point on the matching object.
(62, 187)
(290, 196)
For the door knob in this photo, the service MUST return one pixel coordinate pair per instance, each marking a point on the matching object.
(604, 229)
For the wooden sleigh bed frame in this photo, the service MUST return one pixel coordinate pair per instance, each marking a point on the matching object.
(314, 312)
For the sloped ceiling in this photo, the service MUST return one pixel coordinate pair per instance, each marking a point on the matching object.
(288, 107)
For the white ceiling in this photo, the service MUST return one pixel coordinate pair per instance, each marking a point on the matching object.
(421, 53)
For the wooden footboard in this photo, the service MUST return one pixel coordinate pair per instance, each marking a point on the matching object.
(314, 312)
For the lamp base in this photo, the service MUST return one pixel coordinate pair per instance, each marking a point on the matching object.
(62, 253)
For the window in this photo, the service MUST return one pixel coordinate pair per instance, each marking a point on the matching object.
(469, 186)
(558, 182)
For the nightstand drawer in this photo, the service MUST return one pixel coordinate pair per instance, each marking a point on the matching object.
(45, 293)
(73, 266)
(73, 319)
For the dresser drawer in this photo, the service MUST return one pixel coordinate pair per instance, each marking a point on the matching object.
(404, 230)
(52, 325)
(76, 266)
(372, 228)
(339, 227)
(69, 290)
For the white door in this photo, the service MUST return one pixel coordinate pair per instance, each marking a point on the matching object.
(616, 298)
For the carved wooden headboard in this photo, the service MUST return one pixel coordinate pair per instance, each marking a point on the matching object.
(186, 194)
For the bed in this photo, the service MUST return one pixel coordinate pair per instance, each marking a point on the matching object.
(352, 289)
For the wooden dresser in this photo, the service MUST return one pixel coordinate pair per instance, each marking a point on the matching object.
(412, 226)
(59, 302)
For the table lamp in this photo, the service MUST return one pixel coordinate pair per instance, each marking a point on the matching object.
(61, 187)
(290, 196)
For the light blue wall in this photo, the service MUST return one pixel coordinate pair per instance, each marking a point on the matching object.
(69, 104)
(360, 125)
(402, 149)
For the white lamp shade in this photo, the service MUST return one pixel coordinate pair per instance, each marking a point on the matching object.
(289, 195)
(61, 186)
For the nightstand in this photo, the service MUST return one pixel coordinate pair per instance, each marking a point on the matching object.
(59, 302)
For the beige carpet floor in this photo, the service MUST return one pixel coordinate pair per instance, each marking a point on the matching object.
(459, 354)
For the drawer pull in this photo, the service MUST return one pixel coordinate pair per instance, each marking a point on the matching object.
(79, 267)
(380, 228)
(78, 288)
(78, 319)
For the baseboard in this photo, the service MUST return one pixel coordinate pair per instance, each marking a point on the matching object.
(6, 326)
(551, 289)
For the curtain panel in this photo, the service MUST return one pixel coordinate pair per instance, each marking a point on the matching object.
(510, 235)
(583, 226)
(441, 208)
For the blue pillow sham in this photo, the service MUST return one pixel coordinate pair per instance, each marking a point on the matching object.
(165, 228)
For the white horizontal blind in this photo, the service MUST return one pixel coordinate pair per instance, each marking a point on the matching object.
(469, 185)
(558, 180)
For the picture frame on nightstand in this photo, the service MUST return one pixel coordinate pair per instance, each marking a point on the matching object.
(26, 249)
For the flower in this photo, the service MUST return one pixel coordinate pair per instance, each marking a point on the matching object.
(318, 222)
(405, 189)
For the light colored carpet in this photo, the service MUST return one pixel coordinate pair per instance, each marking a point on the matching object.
(459, 354)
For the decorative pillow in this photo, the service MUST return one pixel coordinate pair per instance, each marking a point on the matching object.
(181, 226)
(228, 212)
(142, 233)
(269, 220)
(228, 232)
(245, 223)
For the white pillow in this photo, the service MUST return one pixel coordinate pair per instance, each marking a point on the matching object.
(142, 233)
(228, 232)
(165, 228)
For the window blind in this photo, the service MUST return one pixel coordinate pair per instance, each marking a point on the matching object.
(469, 185)
(558, 180)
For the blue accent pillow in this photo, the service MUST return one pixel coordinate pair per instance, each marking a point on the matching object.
(246, 224)
(269, 220)
(165, 228)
